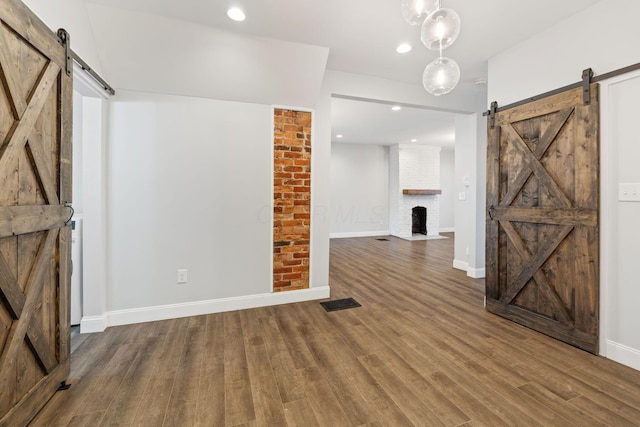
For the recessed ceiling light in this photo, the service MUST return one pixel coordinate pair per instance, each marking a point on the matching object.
(339, 136)
(403, 48)
(236, 14)
(414, 140)
(396, 108)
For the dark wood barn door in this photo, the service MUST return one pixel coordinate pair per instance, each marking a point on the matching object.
(35, 184)
(542, 222)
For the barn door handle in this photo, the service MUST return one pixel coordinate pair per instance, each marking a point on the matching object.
(491, 210)
(68, 205)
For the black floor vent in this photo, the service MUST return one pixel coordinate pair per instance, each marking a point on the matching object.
(340, 304)
(382, 240)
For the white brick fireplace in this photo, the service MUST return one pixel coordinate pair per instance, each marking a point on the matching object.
(413, 167)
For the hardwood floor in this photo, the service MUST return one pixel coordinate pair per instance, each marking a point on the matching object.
(420, 351)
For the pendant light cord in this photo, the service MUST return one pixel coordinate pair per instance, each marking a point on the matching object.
(440, 7)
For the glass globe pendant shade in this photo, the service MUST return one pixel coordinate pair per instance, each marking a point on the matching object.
(441, 76)
(416, 11)
(440, 29)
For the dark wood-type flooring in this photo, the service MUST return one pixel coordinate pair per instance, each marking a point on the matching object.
(420, 351)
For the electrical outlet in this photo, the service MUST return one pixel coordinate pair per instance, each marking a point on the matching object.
(182, 276)
(462, 195)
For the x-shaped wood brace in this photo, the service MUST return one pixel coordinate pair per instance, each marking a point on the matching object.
(10, 151)
(22, 306)
(532, 160)
(532, 266)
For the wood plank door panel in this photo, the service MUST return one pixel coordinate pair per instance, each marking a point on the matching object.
(542, 222)
(35, 185)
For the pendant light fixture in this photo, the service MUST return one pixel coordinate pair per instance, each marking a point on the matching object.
(416, 11)
(441, 76)
(440, 29)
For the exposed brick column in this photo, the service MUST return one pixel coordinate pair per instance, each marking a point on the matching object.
(292, 199)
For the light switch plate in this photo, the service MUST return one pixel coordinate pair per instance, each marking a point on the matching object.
(629, 192)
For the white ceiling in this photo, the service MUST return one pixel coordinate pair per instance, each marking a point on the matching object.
(376, 123)
(361, 36)
(152, 53)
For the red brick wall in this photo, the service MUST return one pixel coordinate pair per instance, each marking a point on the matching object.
(292, 199)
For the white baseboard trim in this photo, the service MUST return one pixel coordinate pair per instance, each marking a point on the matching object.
(92, 324)
(198, 308)
(460, 265)
(476, 273)
(447, 230)
(623, 354)
(358, 234)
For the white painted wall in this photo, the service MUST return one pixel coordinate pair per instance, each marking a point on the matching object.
(359, 190)
(321, 189)
(465, 166)
(566, 54)
(602, 37)
(622, 136)
(447, 198)
(620, 232)
(94, 223)
(189, 188)
(470, 183)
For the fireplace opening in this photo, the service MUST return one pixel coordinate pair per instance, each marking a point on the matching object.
(419, 220)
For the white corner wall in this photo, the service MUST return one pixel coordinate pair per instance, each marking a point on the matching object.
(566, 54)
(359, 190)
(447, 199)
